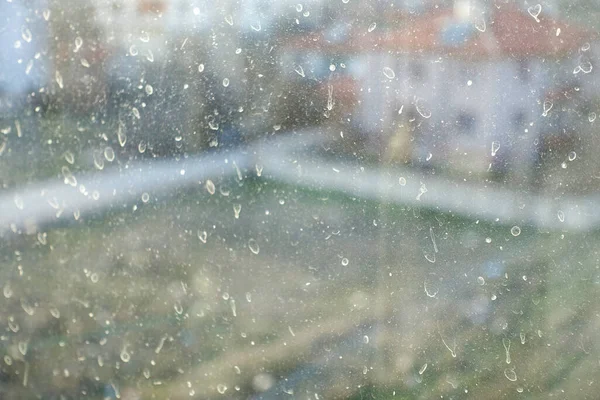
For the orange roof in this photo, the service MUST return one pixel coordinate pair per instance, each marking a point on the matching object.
(506, 32)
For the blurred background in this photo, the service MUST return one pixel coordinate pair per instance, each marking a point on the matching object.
(265, 199)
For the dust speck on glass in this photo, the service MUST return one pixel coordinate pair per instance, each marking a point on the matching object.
(265, 199)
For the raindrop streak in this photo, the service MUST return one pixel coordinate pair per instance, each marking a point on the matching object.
(59, 79)
(329, 97)
(535, 11)
(510, 374)
(506, 344)
(495, 148)
(372, 27)
(237, 208)
(515, 231)
(547, 107)
(299, 70)
(572, 156)
(389, 73)
(253, 246)
(210, 186)
(561, 216)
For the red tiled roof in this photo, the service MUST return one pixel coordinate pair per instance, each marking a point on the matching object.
(509, 32)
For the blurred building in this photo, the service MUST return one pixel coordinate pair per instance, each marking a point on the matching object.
(469, 83)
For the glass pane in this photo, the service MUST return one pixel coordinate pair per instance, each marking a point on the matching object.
(268, 199)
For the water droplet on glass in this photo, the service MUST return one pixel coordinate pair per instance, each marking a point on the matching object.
(365, 339)
(345, 261)
(59, 79)
(149, 55)
(563, 165)
(149, 89)
(329, 97)
(109, 154)
(345, 1)
(19, 202)
(22, 347)
(402, 181)
(125, 356)
(121, 135)
(480, 25)
(535, 11)
(29, 66)
(572, 156)
(592, 116)
(236, 210)
(256, 27)
(299, 70)
(146, 373)
(488, 240)
(46, 14)
(229, 19)
(78, 44)
(495, 148)
(55, 312)
(7, 290)
(522, 336)
(69, 157)
(145, 37)
(422, 110)
(98, 160)
(253, 246)
(515, 231)
(145, 197)
(481, 280)
(299, 7)
(389, 73)
(8, 360)
(210, 186)
(510, 374)
(561, 216)
(332, 67)
(26, 34)
(422, 369)
(585, 47)
(133, 50)
(136, 112)
(221, 388)
(142, 147)
(225, 82)
(178, 307)
(202, 235)
(200, 67)
(372, 27)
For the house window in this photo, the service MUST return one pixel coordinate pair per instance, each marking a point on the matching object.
(523, 71)
(465, 123)
(518, 120)
(417, 71)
